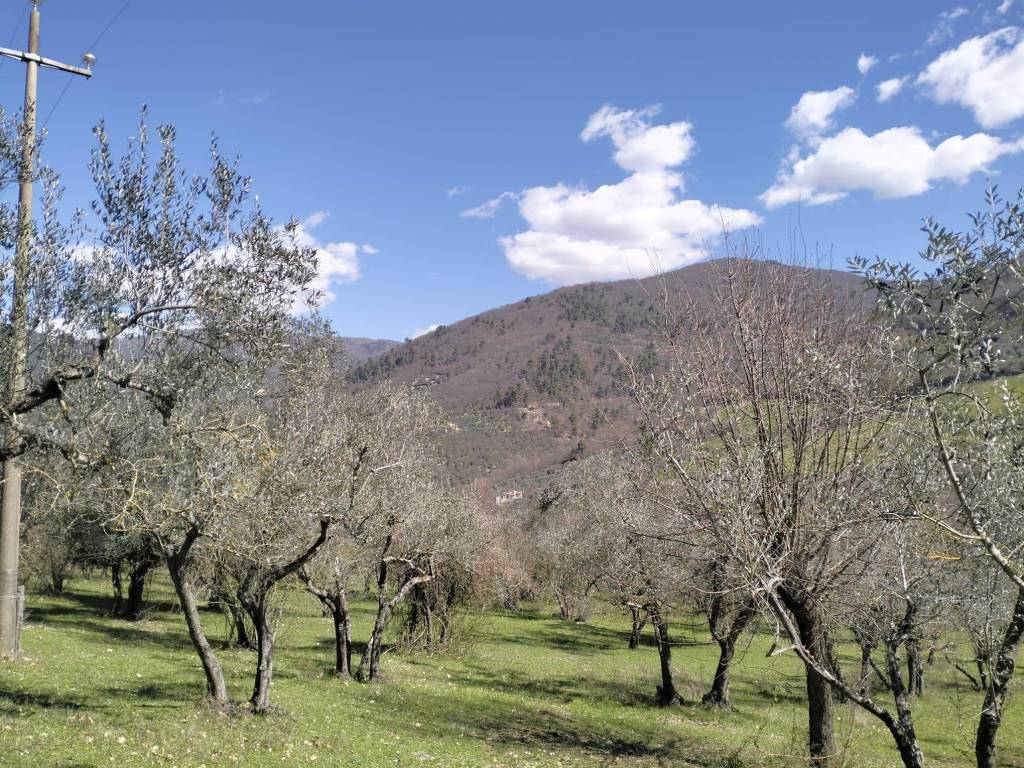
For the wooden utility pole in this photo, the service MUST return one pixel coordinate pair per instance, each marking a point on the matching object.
(17, 364)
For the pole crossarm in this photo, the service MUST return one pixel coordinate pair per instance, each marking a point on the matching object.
(42, 61)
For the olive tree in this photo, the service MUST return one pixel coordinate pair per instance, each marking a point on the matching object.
(415, 524)
(959, 322)
(175, 272)
(323, 450)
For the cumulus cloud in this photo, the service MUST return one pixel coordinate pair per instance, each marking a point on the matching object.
(983, 74)
(630, 228)
(337, 262)
(424, 331)
(489, 209)
(865, 63)
(887, 89)
(812, 114)
(1004, 6)
(898, 162)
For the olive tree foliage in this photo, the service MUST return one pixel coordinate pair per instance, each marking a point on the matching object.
(775, 421)
(414, 527)
(595, 538)
(50, 530)
(170, 272)
(171, 480)
(152, 320)
(323, 451)
(577, 535)
(959, 321)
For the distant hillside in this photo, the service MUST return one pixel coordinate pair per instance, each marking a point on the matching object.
(358, 350)
(531, 384)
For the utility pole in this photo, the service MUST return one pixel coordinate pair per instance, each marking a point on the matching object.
(11, 597)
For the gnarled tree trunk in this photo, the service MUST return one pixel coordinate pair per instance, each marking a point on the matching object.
(718, 696)
(342, 637)
(666, 693)
(132, 609)
(915, 668)
(260, 615)
(639, 622)
(998, 688)
(118, 587)
(177, 565)
(821, 735)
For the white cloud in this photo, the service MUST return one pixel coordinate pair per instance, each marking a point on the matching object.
(944, 27)
(865, 63)
(456, 191)
(315, 219)
(898, 162)
(337, 262)
(639, 145)
(887, 89)
(489, 209)
(1004, 6)
(984, 74)
(424, 331)
(627, 229)
(812, 115)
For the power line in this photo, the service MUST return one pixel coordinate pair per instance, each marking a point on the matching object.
(64, 90)
(14, 34)
(109, 25)
(90, 48)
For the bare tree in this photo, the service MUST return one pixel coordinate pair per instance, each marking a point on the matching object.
(772, 418)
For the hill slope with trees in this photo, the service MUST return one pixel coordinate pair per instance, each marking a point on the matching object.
(534, 383)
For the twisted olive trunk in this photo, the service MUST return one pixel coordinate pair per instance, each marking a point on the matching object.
(915, 667)
(254, 595)
(902, 726)
(260, 615)
(333, 599)
(342, 636)
(997, 690)
(718, 696)
(132, 609)
(118, 587)
(667, 694)
(639, 622)
(177, 564)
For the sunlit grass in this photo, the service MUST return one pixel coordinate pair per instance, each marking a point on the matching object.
(526, 690)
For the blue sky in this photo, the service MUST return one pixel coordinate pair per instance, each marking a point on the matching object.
(382, 123)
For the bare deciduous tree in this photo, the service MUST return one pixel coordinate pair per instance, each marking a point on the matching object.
(772, 419)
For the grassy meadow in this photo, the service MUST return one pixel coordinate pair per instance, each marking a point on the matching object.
(523, 690)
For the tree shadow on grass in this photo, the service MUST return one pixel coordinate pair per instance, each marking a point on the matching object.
(553, 633)
(561, 689)
(541, 728)
(12, 702)
(122, 631)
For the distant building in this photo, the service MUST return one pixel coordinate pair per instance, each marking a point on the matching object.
(507, 497)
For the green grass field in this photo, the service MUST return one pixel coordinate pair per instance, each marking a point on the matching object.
(525, 690)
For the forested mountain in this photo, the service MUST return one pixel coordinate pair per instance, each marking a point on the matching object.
(357, 349)
(531, 384)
